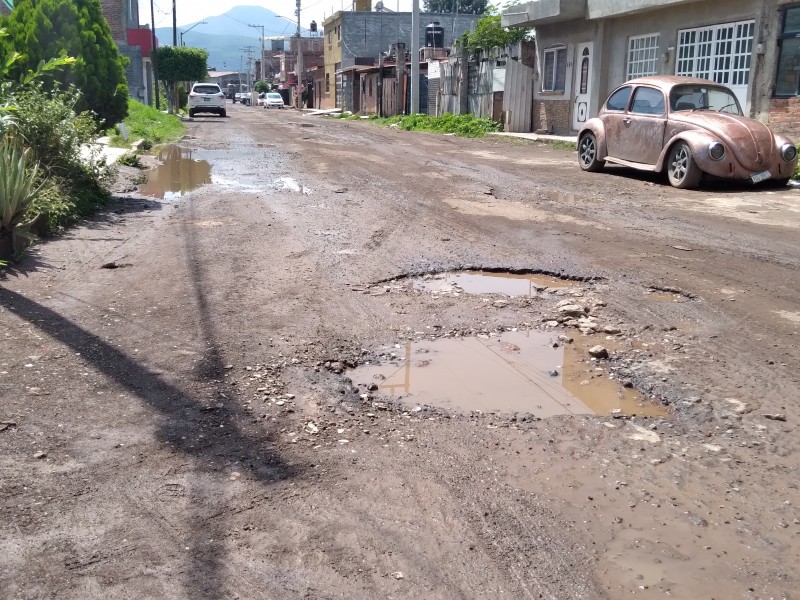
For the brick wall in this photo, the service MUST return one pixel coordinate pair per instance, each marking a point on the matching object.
(552, 115)
(114, 12)
(784, 116)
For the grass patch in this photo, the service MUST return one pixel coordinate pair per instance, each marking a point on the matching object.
(146, 123)
(130, 159)
(560, 145)
(462, 125)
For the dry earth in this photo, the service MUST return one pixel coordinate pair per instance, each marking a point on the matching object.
(180, 426)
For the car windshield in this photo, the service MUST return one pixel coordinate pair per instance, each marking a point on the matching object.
(275, 97)
(703, 97)
(206, 89)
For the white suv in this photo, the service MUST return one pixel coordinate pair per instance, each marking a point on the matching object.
(206, 97)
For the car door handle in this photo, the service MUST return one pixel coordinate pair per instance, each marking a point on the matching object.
(626, 120)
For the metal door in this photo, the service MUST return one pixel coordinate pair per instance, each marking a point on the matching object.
(583, 86)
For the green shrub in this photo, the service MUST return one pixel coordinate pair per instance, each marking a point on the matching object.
(47, 122)
(130, 159)
(797, 170)
(18, 177)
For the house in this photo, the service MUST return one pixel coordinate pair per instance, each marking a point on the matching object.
(6, 6)
(585, 48)
(356, 38)
(134, 42)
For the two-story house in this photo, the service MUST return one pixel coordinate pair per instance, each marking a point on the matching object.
(354, 39)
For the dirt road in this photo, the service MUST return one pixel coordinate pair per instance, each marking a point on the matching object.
(183, 423)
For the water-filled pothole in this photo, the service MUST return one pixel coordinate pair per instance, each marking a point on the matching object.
(178, 173)
(515, 372)
(488, 282)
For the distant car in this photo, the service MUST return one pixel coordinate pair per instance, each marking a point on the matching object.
(273, 100)
(206, 98)
(687, 127)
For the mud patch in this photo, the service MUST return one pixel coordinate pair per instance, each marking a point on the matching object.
(516, 372)
(179, 173)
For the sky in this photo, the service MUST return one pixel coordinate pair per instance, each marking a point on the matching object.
(191, 11)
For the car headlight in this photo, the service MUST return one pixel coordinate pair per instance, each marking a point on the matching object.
(788, 152)
(716, 150)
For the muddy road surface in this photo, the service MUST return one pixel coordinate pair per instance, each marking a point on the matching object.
(310, 378)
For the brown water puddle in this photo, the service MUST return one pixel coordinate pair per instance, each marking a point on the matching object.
(509, 373)
(487, 282)
(178, 173)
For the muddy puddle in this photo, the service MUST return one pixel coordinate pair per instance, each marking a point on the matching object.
(179, 173)
(659, 296)
(513, 372)
(487, 282)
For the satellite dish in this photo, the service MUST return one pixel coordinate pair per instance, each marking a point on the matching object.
(379, 5)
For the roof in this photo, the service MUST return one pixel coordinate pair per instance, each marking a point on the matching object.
(222, 73)
(667, 82)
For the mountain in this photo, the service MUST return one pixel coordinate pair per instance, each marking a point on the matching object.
(225, 36)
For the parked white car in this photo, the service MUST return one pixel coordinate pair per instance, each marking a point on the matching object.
(206, 98)
(273, 100)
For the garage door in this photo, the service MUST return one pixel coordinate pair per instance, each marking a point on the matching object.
(722, 53)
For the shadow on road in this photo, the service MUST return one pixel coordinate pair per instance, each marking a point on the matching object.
(186, 420)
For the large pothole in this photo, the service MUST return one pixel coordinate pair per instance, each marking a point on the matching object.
(534, 372)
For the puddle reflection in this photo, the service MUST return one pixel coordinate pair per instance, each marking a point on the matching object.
(178, 173)
(514, 372)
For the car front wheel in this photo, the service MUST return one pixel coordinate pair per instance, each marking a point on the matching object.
(587, 153)
(682, 170)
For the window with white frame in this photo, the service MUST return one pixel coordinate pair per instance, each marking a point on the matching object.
(721, 53)
(555, 69)
(643, 55)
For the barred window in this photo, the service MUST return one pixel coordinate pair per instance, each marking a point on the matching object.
(643, 55)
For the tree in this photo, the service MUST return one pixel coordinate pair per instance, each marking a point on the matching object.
(262, 86)
(463, 7)
(180, 63)
(489, 33)
(41, 30)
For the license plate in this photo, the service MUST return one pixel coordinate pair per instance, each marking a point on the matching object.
(763, 176)
(209, 100)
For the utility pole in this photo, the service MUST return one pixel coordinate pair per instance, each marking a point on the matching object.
(174, 25)
(248, 50)
(262, 48)
(300, 70)
(415, 58)
(153, 54)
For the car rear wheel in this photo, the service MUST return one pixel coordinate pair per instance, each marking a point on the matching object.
(191, 113)
(587, 153)
(223, 113)
(682, 170)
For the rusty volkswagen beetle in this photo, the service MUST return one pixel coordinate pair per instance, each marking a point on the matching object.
(686, 127)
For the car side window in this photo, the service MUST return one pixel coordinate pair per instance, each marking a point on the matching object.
(619, 99)
(648, 101)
